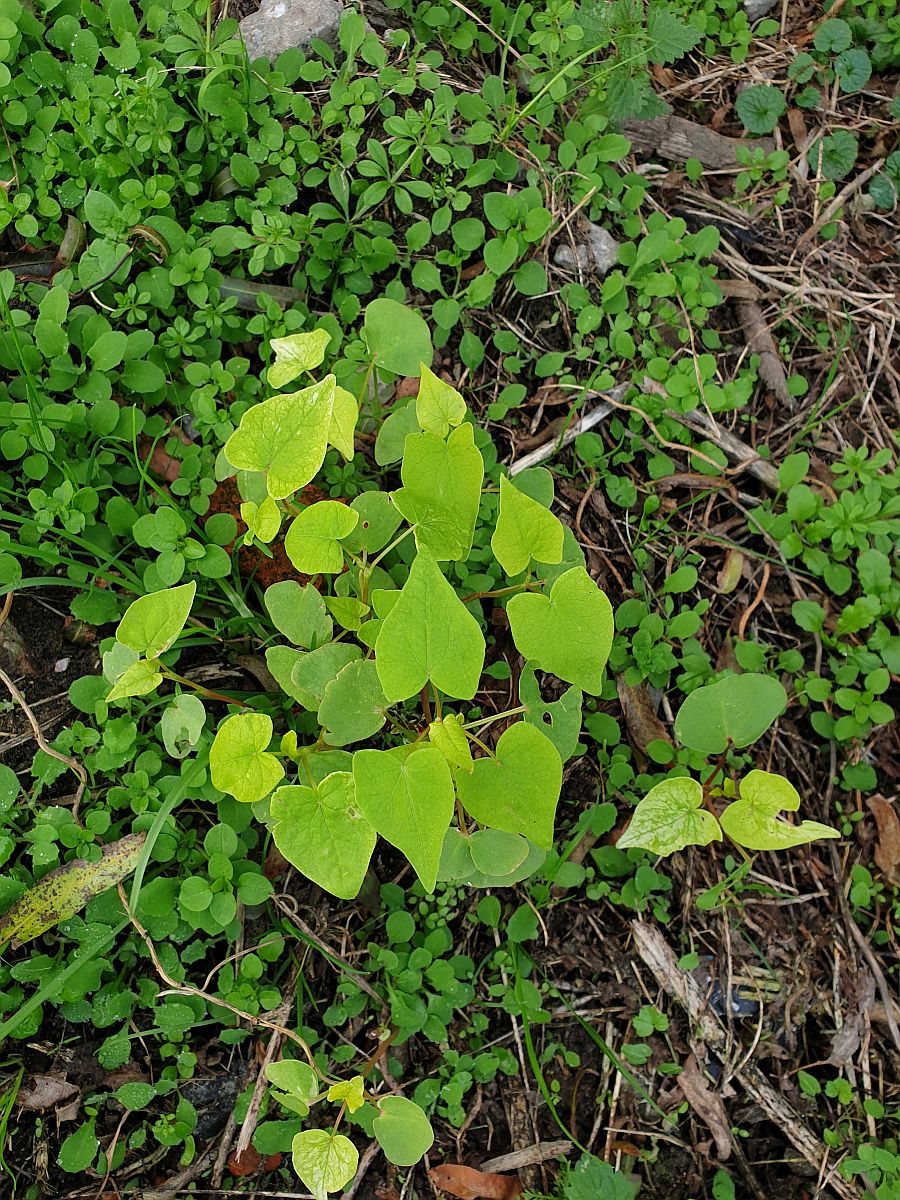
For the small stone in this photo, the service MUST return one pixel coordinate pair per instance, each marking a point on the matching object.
(758, 8)
(281, 25)
(596, 251)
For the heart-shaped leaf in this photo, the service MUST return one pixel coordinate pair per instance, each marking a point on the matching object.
(325, 1161)
(285, 437)
(458, 866)
(353, 704)
(299, 613)
(738, 709)
(378, 522)
(313, 541)
(407, 795)
(569, 632)
(559, 719)
(447, 734)
(525, 530)
(671, 817)
(350, 1091)
(311, 673)
(429, 634)
(397, 337)
(344, 415)
(442, 490)
(497, 853)
(439, 407)
(137, 679)
(296, 353)
(402, 1131)
(753, 821)
(153, 622)
(517, 789)
(323, 834)
(239, 758)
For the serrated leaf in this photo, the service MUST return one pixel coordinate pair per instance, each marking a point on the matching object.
(325, 1161)
(753, 822)
(442, 490)
(569, 632)
(439, 407)
(285, 437)
(671, 817)
(407, 795)
(299, 613)
(296, 353)
(402, 1130)
(313, 541)
(344, 415)
(353, 704)
(525, 530)
(447, 734)
(517, 789)
(64, 892)
(239, 758)
(670, 37)
(738, 709)
(429, 634)
(760, 107)
(137, 679)
(153, 622)
(322, 832)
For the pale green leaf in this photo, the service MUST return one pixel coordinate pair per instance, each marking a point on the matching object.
(402, 1130)
(239, 758)
(344, 415)
(497, 853)
(281, 661)
(137, 679)
(323, 834)
(517, 789)
(407, 795)
(447, 734)
(286, 437)
(738, 709)
(153, 622)
(64, 892)
(379, 520)
(395, 429)
(313, 541)
(299, 613)
(753, 822)
(353, 704)
(397, 337)
(568, 633)
(457, 865)
(324, 1160)
(671, 817)
(525, 530)
(442, 490)
(296, 1079)
(296, 353)
(262, 520)
(311, 673)
(350, 1091)
(182, 724)
(429, 634)
(348, 611)
(439, 407)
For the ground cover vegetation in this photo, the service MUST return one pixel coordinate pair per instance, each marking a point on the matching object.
(447, 716)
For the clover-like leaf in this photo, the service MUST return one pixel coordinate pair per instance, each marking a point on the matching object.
(569, 632)
(753, 821)
(429, 634)
(525, 530)
(285, 437)
(239, 758)
(313, 541)
(671, 817)
(447, 734)
(517, 789)
(353, 704)
(402, 1130)
(323, 834)
(324, 1160)
(439, 407)
(407, 795)
(442, 490)
(296, 353)
(153, 622)
(738, 709)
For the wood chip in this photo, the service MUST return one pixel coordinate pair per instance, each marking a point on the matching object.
(677, 139)
(887, 852)
(760, 341)
(531, 1155)
(708, 1105)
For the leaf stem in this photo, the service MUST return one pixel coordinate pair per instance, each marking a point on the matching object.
(168, 673)
(510, 712)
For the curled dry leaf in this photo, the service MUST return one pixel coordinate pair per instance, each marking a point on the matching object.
(708, 1105)
(644, 726)
(468, 1184)
(730, 574)
(887, 852)
(41, 1092)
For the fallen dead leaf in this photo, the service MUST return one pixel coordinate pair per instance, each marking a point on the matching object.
(406, 387)
(644, 726)
(730, 575)
(707, 1105)
(468, 1184)
(887, 852)
(251, 1161)
(41, 1092)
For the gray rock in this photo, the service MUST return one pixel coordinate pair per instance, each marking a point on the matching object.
(758, 8)
(596, 251)
(281, 25)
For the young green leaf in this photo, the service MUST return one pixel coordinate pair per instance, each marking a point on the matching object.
(285, 437)
(517, 789)
(447, 734)
(353, 704)
(402, 1130)
(350, 1092)
(738, 709)
(525, 530)
(79, 1150)
(313, 541)
(239, 758)
(442, 490)
(397, 337)
(344, 415)
(429, 634)
(324, 1160)
(407, 795)
(182, 724)
(153, 622)
(439, 407)
(323, 834)
(296, 353)
(497, 853)
(65, 891)
(569, 632)
(378, 522)
(752, 821)
(311, 673)
(671, 817)
(296, 1079)
(262, 520)
(137, 679)
(760, 107)
(299, 613)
